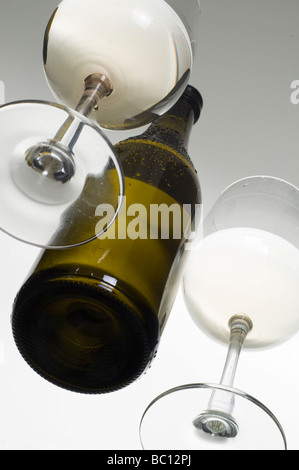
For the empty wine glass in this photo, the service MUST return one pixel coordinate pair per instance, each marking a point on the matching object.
(115, 64)
(240, 287)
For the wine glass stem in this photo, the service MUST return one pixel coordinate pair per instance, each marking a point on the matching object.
(97, 87)
(240, 325)
(54, 157)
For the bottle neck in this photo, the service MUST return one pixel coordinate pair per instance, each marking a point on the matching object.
(174, 127)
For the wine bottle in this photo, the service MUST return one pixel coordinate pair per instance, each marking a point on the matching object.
(89, 318)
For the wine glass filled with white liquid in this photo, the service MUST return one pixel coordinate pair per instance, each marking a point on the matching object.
(241, 288)
(248, 262)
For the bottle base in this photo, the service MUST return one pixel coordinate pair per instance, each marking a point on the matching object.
(81, 334)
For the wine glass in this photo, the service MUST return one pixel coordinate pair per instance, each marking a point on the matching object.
(112, 65)
(240, 287)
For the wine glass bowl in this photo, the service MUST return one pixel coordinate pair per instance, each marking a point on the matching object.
(249, 255)
(143, 47)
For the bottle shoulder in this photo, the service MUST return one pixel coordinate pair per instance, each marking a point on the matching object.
(170, 145)
(158, 164)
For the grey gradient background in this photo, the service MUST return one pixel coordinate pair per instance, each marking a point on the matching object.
(247, 59)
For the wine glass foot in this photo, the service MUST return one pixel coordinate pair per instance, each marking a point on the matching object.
(180, 419)
(216, 423)
(59, 168)
(51, 159)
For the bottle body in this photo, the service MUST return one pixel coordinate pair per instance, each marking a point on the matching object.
(89, 318)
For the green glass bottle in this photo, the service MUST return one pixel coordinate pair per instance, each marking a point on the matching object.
(89, 318)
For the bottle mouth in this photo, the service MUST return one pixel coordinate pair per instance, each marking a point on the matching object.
(194, 98)
(80, 337)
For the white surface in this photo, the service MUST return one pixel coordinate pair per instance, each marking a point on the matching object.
(247, 60)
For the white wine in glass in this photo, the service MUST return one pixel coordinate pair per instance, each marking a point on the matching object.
(248, 262)
(142, 46)
(245, 270)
